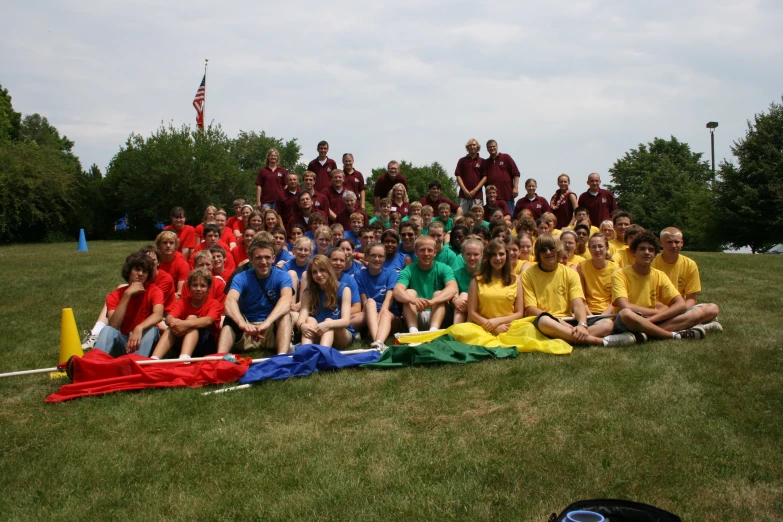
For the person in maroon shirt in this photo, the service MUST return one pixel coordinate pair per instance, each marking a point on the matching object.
(334, 193)
(501, 171)
(287, 202)
(323, 167)
(354, 180)
(600, 203)
(493, 202)
(305, 212)
(564, 202)
(469, 177)
(399, 199)
(270, 181)
(532, 201)
(386, 182)
(320, 201)
(344, 217)
(434, 199)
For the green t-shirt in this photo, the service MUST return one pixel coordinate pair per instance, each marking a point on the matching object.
(447, 225)
(463, 278)
(459, 262)
(446, 256)
(386, 224)
(426, 282)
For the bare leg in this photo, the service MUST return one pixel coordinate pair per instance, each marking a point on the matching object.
(357, 321)
(409, 312)
(165, 343)
(342, 338)
(636, 323)
(601, 328)
(557, 330)
(309, 340)
(694, 316)
(371, 318)
(227, 340)
(438, 313)
(385, 324)
(327, 339)
(189, 341)
(283, 334)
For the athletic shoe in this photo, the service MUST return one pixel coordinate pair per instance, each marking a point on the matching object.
(378, 345)
(641, 338)
(695, 333)
(713, 327)
(616, 340)
(357, 336)
(88, 342)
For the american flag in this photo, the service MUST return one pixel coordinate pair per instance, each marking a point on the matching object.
(198, 103)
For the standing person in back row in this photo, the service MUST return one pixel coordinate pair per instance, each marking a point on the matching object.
(501, 171)
(600, 203)
(469, 177)
(386, 182)
(270, 181)
(323, 167)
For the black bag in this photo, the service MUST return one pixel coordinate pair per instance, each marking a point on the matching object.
(615, 510)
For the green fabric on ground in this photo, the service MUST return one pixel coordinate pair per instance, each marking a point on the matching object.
(444, 349)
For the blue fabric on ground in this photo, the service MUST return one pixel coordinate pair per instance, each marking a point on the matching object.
(307, 359)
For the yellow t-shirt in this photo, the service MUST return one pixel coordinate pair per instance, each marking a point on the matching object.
(586, 254)
(518, 268)
(575, 260)
(623, 257)
(616, 246)
(641, 290)
(684, 274)
(496, 300)
(552, 291)
(593, 229)
(556, 232)
(598, 285)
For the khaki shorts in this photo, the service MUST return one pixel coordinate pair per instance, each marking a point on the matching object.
(245, 343)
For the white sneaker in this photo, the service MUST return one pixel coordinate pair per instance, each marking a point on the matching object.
(692, 334)
(713, 327)
(616, 340)
(378, 345)
(88, 343)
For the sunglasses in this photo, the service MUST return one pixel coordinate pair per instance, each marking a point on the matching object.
(545, 249)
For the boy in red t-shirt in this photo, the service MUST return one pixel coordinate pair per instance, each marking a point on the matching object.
(186, 234)
(171, 261)
(217, 290)
(193, 321)
(133, 311)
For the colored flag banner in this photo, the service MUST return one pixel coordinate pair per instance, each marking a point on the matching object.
(199, 100)
(443, 350)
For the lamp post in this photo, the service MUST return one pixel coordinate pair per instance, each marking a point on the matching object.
(712, 126)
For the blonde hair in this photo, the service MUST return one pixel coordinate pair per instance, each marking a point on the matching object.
(473, 140)
(404, 193)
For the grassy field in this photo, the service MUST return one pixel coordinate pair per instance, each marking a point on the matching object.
(694, 428)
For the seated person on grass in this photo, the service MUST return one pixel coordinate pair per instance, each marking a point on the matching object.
(194, 321)
(551, 220)
(326, 307)
(337, 258)
(133, 311)
(569, 240)
(226, 233)
(595, 275)
(624, 256)
(424, 288)
(621, 221)
(222, 266)
(295, 233)
(171, 260)
(353, 231)
(427, 213)
(186, 234)
(395, 218)
(316, 222)
(408, 235)
(413, 211)
(281, 254)
(257, 305)
(495, 297)
(478, 211)
(582, 232)
(352, 267)
(682, 272)
(217, 290)
(472, 250)
(553, 294)
(376, 288)
(647, 302)
(239, 252)
(444, 216)
(444, 254)
(366, 236)
(211, 238)
(296, 267)
(395, 260)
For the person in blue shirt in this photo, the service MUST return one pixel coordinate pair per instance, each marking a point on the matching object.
(376, 285)
(296, 267)
(394, 260)
(326, 306)
(281, 254)
(337, 258)
(257, 305)
(352, 268)
(408, 234)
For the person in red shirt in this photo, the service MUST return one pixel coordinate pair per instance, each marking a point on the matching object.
(501, 171)
(564, 202)
(493, 202)
(322, 166)
(434, 199)
(133, 311)
(241, 222)
(209, 217)
(238, 204)
(319, 200)
(226, 233)
(354, 180)
(469, 177)
(532, 201)
(386, 182)
(270, 180)
(171, 261)
(193, 322)
(334, 193)
(211, 238)
(303, 216)
(600, 203)
(286, 203)
(222, 265)
(185, 233)
(160, 278)
(217, 290)
(399, 200)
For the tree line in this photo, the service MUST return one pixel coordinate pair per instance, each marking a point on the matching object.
(46, 195)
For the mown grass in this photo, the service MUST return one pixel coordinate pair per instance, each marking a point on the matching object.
(694, 428)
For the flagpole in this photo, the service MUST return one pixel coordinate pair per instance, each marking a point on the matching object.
(204, 110)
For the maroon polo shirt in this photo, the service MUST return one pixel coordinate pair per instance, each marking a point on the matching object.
(435, 204)
(299, 219)
(538, 206)
(286, 204)
(323, 172)
(271, 182)
(403, 209)
(501, 171)
(600, 206)
(469, 169)
(385, 183)
(344, 217)
(320, 203)
(499, 203)
(335, 199)
(355, 183)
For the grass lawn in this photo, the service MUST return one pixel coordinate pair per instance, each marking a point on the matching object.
(694, 428)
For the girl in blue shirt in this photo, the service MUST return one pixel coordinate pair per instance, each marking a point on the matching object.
(326, 307)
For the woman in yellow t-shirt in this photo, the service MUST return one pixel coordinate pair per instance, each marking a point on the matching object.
(569, 240)
(495, 297)
(596, 276)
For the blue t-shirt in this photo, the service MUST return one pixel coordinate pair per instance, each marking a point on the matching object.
(407, 254)
(376, 287)
(334, 313)
(284, 255)
(258, 297)
(356, 267)
(309, 235)
(350, 282)
(291, 265)
(397, 263)
(348, 234)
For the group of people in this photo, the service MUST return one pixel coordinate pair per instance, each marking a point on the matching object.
(308, 264)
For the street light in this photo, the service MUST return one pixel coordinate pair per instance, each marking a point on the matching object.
(712, 126)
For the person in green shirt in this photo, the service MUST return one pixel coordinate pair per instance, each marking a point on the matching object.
(472, 250)
(444, 254)
(424, 288)
(444, 216)
(384, 214)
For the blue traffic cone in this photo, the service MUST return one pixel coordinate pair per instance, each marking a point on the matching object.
(82, 242)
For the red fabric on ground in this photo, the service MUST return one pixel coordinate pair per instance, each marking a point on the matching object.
(98, 373)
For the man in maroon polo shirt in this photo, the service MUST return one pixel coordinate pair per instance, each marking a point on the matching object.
(320, 202)
(322, 166)
(600, 203)
(469, 177)
(493, 202)
(287, 202)
(434, 199)
(305, 212)
(532, 201)
(270, 181)
(501, 171)
(334, 193)
(350, 207)
(386, 182)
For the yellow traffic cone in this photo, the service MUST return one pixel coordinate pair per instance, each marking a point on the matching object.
(69, 341)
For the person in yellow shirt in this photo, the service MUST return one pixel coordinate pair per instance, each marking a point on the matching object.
(684, 274)
(583, 235)
(582, 216)
(495, 296)
(621, 221)
(624, 257)
(596, 276)
(607, 229)
(553, 294)
(569, 239)
(647, 302)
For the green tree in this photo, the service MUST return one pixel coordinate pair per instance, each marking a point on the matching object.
(664, 184)
(10, 120)
(750, 194)
(250, 150)
(418, 180)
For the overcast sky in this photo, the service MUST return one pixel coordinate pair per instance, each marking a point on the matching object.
(562, 86)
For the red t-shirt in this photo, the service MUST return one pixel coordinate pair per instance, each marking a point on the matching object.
(335, 199)
(469, 169)
(498, 204)
(169, 288)
(230, 222)
(427, 201)
(200, 231)
(239, 253)
(178, 268)
(216, 291)
(271, 182)
(203, 246)
(286, 204)
(186, 236)
(139, 307)
(299, 219)
(355, 183)
(403, 209)
(600, 206)
(227, 236)
(323, 173)
(320, 203)
(538, 206)
(211, 308)
(344, 218)
(501, 171)
(385, 183)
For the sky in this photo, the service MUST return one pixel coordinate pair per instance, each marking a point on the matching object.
(564, 86)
